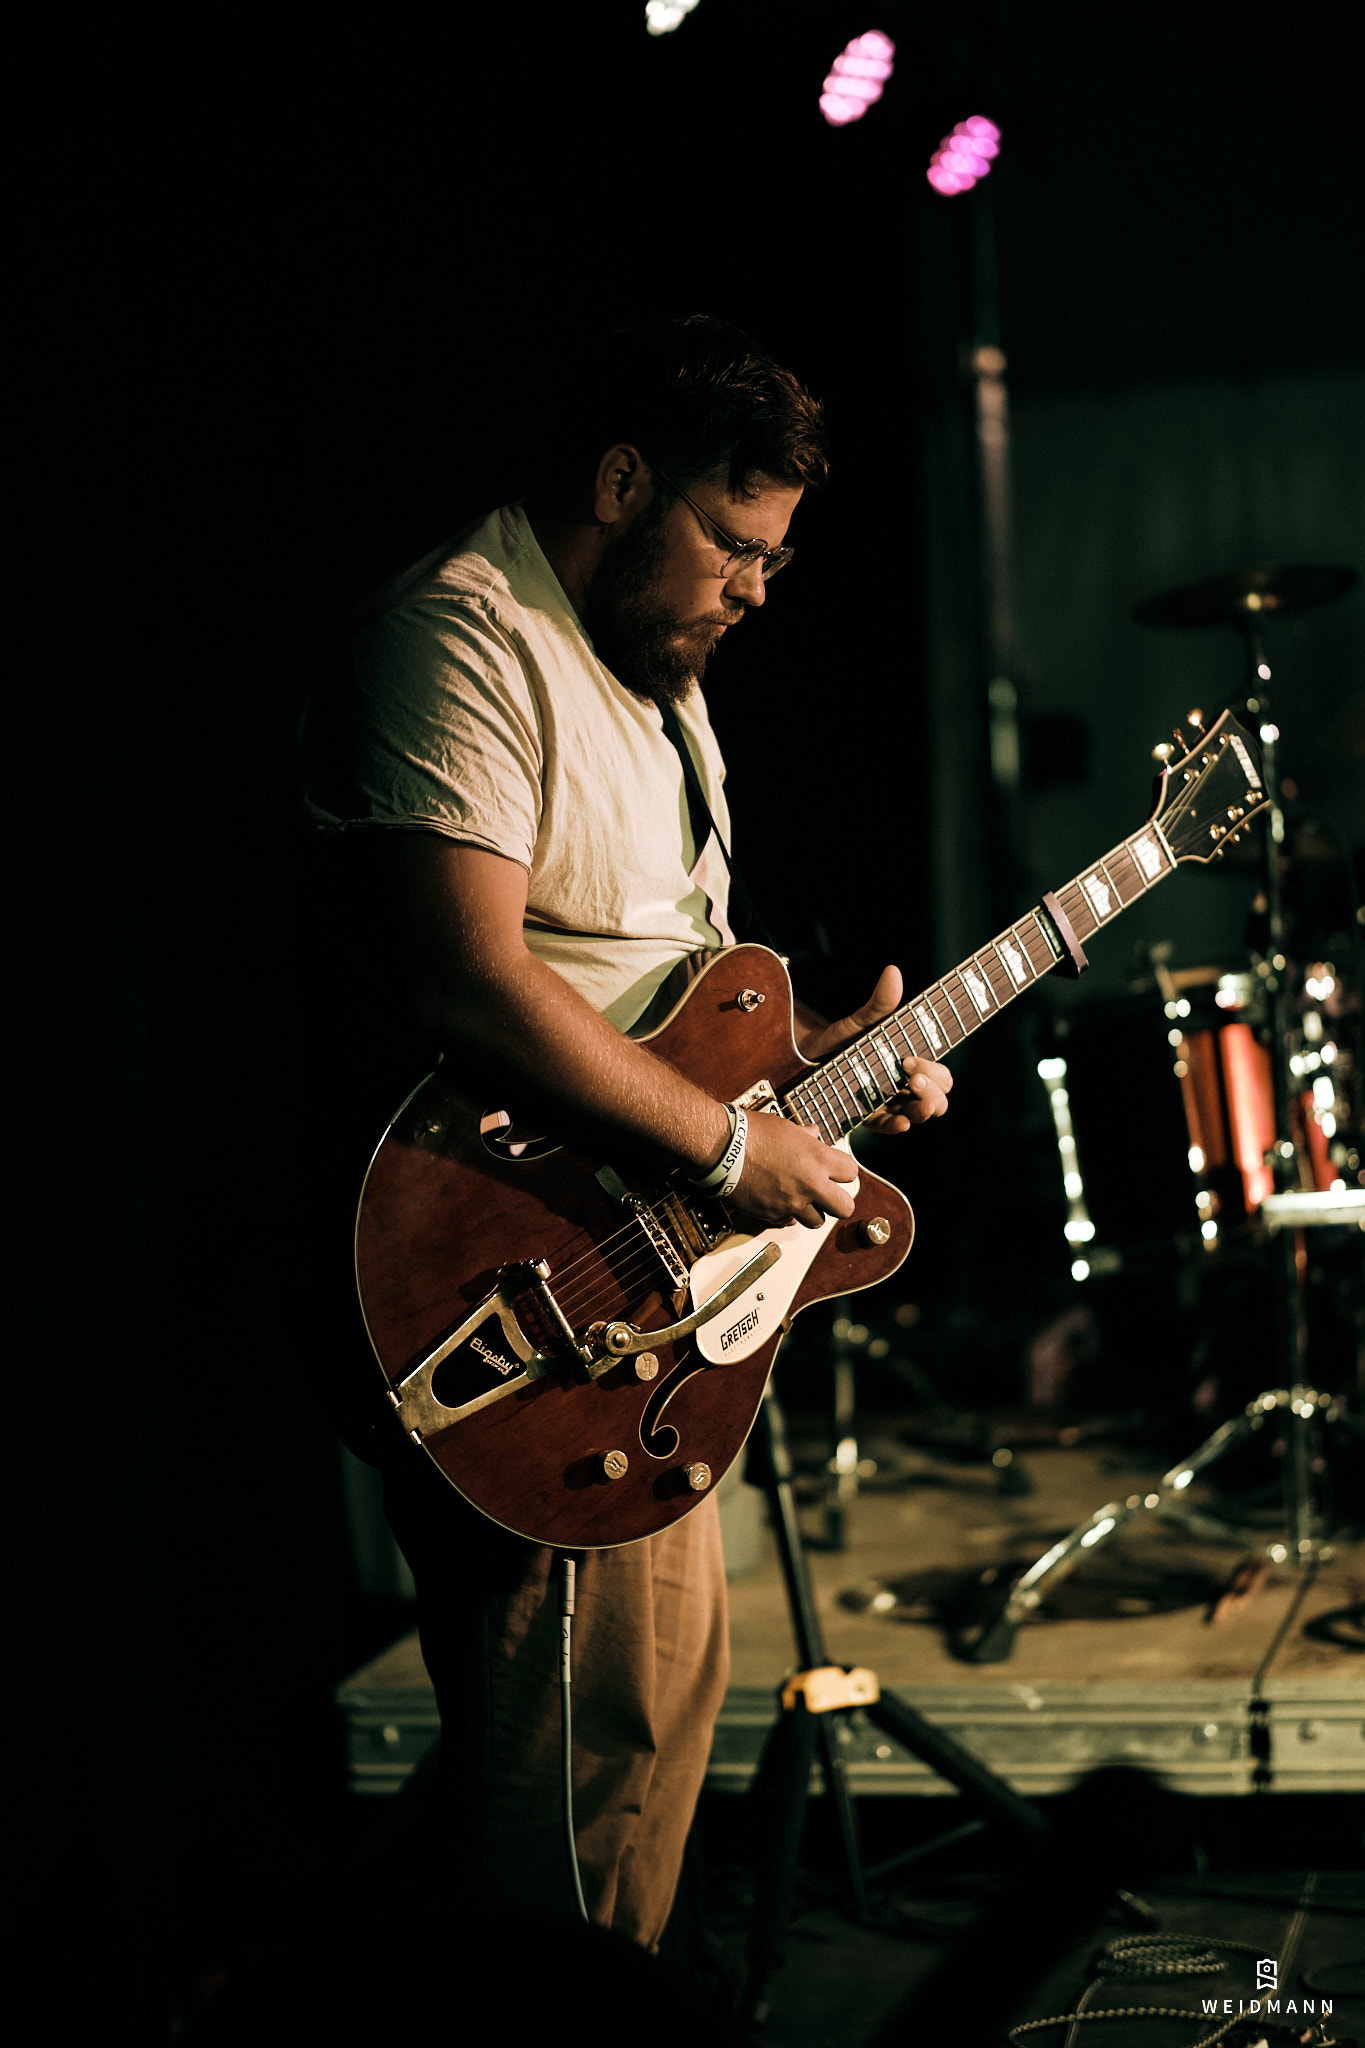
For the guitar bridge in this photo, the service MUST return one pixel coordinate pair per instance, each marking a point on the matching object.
(660, 1241)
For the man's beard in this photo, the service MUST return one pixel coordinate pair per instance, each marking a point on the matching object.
(645, 644)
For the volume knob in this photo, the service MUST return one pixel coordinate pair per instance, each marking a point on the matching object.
(698, 1477)
(876, 1230)
(615, 1464)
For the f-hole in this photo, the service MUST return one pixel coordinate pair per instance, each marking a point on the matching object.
(662, 1443)
(508, 1140)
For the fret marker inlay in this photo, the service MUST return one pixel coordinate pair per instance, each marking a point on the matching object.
(1098, 894)
(927, 1025)
(1146, 855)
(887, 1058)
(1014, 961)
(976, 990)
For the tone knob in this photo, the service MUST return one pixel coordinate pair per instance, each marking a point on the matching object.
(698, 1477)
(646, 1366)
(615, 1464)
(876, 1230)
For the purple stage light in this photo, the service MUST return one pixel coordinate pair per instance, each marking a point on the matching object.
(964, 157)
(857, 77)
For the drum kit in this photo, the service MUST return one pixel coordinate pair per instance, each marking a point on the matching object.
(1268, 1060)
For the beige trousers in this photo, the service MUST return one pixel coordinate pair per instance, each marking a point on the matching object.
(650, 1667)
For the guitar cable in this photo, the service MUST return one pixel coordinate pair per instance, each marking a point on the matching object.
(568, 1572)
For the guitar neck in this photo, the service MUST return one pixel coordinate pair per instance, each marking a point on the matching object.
(853, 1085)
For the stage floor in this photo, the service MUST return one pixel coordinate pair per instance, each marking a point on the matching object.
(1126, 1671)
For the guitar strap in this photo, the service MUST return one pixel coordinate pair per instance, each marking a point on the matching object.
(747, 923)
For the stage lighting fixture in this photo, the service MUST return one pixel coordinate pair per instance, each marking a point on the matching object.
(857, 78)
(663, 15)
(964, 157)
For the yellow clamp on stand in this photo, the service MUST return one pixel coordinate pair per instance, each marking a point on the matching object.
(831, 1686)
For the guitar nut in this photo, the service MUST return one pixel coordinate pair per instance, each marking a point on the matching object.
(646, 1366)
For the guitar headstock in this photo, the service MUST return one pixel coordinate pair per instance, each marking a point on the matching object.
(1209, 797)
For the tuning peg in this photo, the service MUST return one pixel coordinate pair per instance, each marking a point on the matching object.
(1195, 719)
(1163, 752)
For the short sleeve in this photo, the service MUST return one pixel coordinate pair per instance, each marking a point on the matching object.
(432, 723)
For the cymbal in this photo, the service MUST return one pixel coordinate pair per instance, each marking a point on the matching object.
(1247, 597)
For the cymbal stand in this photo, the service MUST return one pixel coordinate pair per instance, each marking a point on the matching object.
(814, 1702)
(1259, 706)
(1286, 1213)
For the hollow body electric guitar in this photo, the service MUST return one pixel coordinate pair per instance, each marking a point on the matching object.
(582, 1348)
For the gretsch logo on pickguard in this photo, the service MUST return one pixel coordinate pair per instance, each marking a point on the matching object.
(738, 1330)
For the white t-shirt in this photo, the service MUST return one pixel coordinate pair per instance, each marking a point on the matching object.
(474, 706)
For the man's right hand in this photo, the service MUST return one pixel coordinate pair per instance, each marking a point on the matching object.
(791, 1175)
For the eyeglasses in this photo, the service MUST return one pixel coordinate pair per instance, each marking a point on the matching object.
(742, 553)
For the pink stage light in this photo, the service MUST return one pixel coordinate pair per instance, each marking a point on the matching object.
(857, 78)
(964, 156)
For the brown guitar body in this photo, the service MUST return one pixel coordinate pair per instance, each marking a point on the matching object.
(447, 1204)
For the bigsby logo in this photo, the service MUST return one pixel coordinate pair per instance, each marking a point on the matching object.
(494, 1358)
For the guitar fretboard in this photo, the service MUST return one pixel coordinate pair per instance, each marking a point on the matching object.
(856, 1083)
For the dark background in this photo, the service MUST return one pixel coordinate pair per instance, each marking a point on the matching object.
(284, 293)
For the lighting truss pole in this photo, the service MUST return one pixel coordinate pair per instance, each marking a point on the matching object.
(999, 615)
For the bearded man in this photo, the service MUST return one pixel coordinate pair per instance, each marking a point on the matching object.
(500, 777)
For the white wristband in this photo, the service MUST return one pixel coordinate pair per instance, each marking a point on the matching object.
(724, 1176)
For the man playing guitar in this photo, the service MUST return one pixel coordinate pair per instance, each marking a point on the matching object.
(499, 800)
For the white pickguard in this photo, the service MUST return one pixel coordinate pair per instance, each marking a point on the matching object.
(756, 1315)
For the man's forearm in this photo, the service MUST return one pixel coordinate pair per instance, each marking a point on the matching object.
(527, 1021)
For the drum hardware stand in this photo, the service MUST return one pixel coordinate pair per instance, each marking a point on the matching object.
(990, 1638)
(845, 1467)
(814, 1701)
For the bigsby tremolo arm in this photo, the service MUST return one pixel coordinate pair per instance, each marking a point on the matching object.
(621, 1339)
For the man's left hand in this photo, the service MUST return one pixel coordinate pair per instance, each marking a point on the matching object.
(927, 1083)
